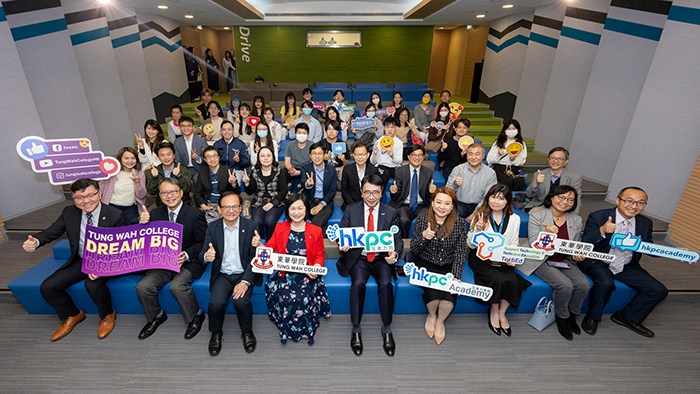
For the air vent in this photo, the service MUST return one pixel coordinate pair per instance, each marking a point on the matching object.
(299, 14)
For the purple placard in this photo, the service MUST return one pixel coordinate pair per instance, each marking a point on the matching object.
(362, 123)
(60, 177)
(57, 162)
(139, 247)
(65, 147)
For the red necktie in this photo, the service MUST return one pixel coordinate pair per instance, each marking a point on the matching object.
(370, 228)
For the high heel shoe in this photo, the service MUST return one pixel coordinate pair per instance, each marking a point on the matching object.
(496, 330)
(439, 338)
(429, 329)
(507, 331)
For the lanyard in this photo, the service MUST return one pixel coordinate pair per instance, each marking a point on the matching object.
(498, 229)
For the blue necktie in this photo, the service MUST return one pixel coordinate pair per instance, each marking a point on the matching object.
(413, 202)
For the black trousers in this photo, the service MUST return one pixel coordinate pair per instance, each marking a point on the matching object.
(406, 217)
(221, 292)
(382, 273)
(53, 289)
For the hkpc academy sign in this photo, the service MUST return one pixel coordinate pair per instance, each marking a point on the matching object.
(420, 277)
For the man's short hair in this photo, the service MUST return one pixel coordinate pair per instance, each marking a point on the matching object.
(164, 145)
(302, 126)
(477, 145)
(83, 183)
(414, 148)
(622, 192)
(186, 119)
(210, 149)
(359, 144)
(229, 193)
(391, 120)
(559, 149)
(172, 181)
(373, 179)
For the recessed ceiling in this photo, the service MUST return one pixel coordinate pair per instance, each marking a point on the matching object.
(334, 12)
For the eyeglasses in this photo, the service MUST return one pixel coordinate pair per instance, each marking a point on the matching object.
(416, 155)
(361, 154)
(211, 157)
(567, 199)
(169, 193)
(89, 196)
(556, 158)
(227, 208)
(630, 202)
(371, 193)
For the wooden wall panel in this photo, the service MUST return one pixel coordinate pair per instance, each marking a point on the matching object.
(438, 59)
(476, 48)
(685, 223)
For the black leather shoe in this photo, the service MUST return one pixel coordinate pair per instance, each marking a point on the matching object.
(389, 344)
(356, 343)
(589, 325)
(575, 329)
(508, 331)
(623, 320)
(215, 343)
(495, 330)
(249, 341)
(194, 326)
(564, 328)
(151, 327)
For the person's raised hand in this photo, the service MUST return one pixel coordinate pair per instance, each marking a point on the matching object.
(501, 151)
(480, 224)
(459, 181)
(428, 233)
(609, 227)
(139, 141)
(197, 111)
(309, 180)
(176, 170)
(154, 171)
(391, 153)
(135, 177)
(257, 147)
(210, 255)
(551, 229)
(256, 240)
(30, 244)
(195, 156)
(236, 157)
(432, 187)
(245, 178)
(144, 217)
(444, 145)
(540, 177)
(393, 188)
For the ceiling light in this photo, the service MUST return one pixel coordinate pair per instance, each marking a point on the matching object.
(226, 27)
(481, 16)
(508, 6)
(440, 27)
(189, 16)
(199, 27)
(104, 1)
(163, 7)
(469, 27)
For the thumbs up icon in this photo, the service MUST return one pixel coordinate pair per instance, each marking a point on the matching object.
(35, 149)
(625, 242)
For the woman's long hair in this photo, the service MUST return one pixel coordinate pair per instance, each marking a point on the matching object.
(452, 217)
(485, 208)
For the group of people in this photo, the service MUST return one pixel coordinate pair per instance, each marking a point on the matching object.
(476, 198)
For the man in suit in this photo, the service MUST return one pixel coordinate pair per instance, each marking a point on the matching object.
(87, 211)
(167, 169)
(557, 174)
(412, 189)
(356, 262)
(319, 180)
(228, 246)
(600, 227)
(189, 150)
(194, 224)
(354, 173)
(212, 182)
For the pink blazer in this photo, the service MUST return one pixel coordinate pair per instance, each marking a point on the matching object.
(107, 187)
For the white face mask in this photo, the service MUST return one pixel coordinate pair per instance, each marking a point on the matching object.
(302, 137)
(375, 101)
(444, 114)
(511, 133)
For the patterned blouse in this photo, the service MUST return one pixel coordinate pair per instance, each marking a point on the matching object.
(452, 250)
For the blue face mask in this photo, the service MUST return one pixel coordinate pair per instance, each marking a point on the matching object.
(370, 114)
(262, 133)
(306, 111)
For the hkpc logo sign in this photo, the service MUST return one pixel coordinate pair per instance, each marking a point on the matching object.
(357, 237)
(420, 277)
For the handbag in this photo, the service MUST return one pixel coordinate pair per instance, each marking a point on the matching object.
(543, 316)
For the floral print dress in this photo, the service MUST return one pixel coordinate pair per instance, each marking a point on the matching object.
(295, 302)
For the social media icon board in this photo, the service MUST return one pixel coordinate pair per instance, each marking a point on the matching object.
(362, 123)
(338, 147)
(550, 244)
(635, 244)
(491, 246)
(266, 261)
(420, 277)
(66, 160)
(357, 237)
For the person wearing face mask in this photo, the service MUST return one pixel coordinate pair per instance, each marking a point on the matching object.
(424, 113)
(315, 130)
(296, 155)
(308, 95)
(451, 154)
(495, 215)
(154, 136)
(233, 152)
(368, 135)
(445, 97)
(388, 159)
(233, 105)
(277, 132)
(506, 165)
(376, 100)
(262, 138)
(436, 134)
(549, 178)
(268, 186)
(354, 173)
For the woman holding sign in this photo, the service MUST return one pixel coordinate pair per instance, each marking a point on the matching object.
(268, 186)
(295, 302)
(387, 153)
(127, 189)
(215, 120)
(496, 216)
(559, 270)
(262, 138)
(439, 245)
(438, 128)
(508, 154)
(242, 128)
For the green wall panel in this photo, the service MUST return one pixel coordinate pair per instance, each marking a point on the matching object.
(388, 54)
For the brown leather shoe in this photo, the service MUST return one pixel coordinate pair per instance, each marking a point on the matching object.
(67, 326)
(106, 325)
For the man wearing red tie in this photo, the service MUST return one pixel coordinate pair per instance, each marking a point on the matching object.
(373, 216)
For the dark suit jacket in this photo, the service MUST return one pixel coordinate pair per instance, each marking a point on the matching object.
(69, 223)
(203, 187)
(591, 233)
(330, 180)
(215, 236)
(350, 184)
(194, 225)
(182, 155)
(402, 177)
(354, 216)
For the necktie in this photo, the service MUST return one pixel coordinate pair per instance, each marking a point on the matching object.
(413, 202)
(172, 216)
(370, 228)
(89, 219)
(622, 258)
